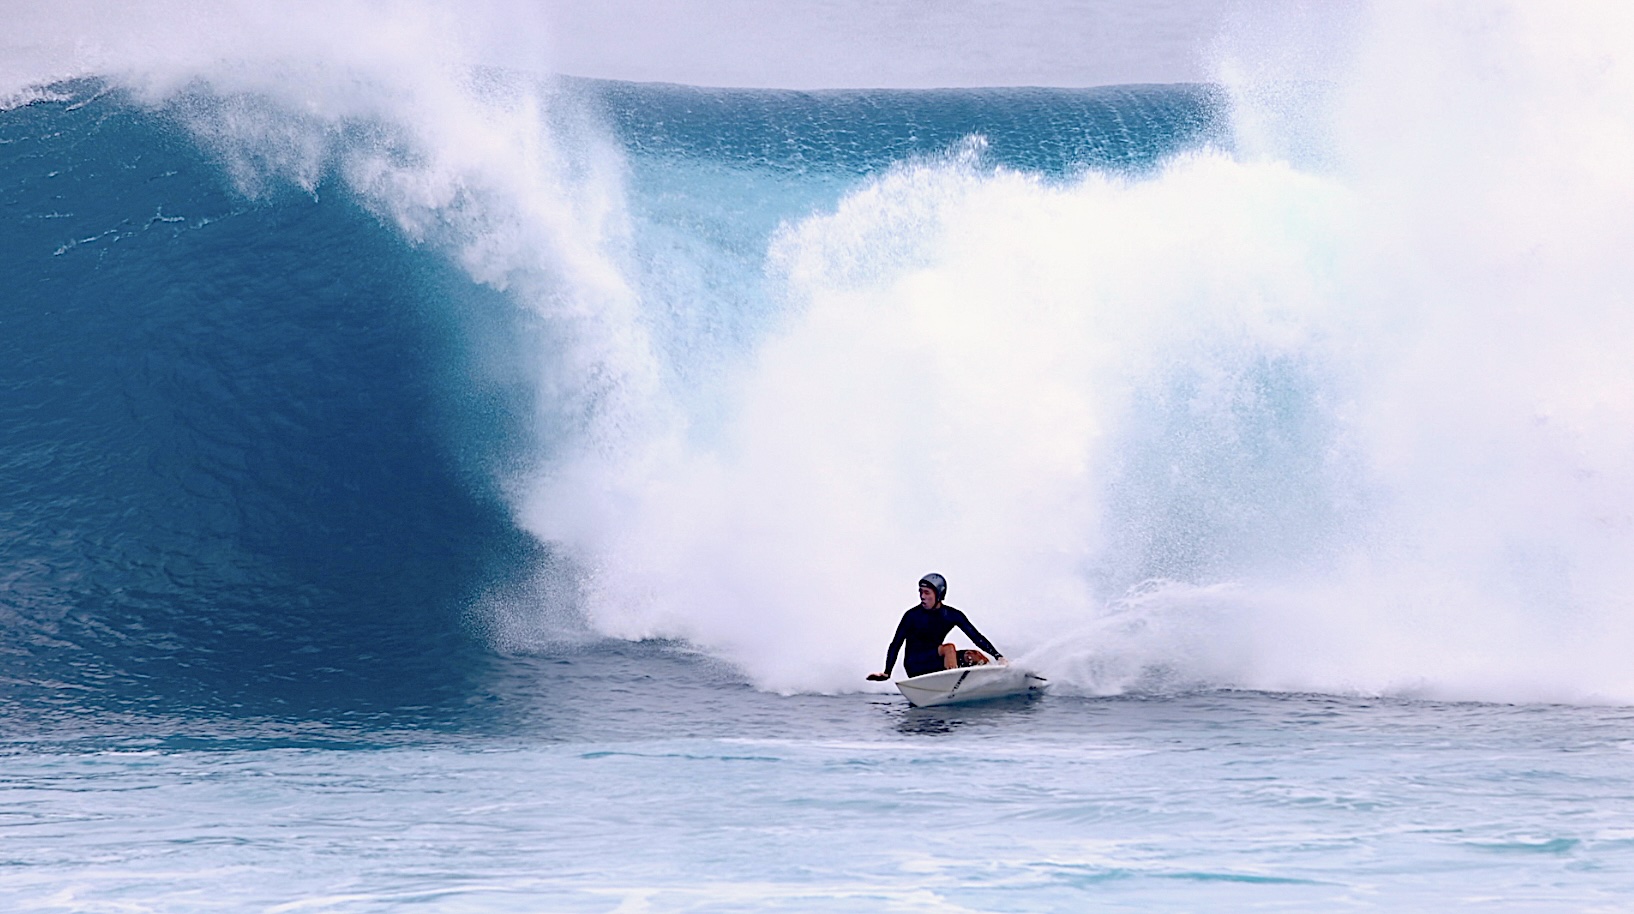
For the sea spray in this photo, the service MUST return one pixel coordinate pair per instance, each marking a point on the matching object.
(961, 348)
(1226, 402)
(1339, 403)
(1373, 389)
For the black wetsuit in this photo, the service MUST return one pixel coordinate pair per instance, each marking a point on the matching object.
(923, 630)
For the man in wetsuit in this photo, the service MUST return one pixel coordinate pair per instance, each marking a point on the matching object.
(922, 629)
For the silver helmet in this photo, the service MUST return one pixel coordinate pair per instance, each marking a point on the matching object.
(937, 583)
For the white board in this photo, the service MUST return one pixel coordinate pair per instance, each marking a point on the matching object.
(971, 683)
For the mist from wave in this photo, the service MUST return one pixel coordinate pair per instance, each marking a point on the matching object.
(1336, 406)
(1330, 399)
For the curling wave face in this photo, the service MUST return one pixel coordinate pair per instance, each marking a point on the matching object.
(333, 360)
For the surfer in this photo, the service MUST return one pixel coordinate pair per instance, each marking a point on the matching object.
(922, 629)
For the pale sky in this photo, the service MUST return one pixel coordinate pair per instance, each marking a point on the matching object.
(803, 44)
(874, 43)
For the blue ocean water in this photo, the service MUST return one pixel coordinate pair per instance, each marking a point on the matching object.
(254, 453)
(490, 498)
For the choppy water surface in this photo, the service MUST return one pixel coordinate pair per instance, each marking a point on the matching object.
(644, 793)
(430, 486)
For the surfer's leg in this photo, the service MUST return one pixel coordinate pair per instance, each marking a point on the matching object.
(950, 656)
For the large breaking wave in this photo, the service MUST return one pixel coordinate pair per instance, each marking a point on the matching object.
(1314, 380)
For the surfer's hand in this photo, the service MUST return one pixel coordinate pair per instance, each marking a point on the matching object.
(878, 677)
(1003, 661)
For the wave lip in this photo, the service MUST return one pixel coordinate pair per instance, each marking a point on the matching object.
(1341, 367)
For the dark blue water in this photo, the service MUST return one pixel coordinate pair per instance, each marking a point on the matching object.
(248, 455)
(225, 424)
(272, 633)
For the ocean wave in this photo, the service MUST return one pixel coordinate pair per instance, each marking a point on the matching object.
(322, 358)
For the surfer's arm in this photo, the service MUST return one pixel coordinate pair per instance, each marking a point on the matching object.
(890, 653)
(976, 636)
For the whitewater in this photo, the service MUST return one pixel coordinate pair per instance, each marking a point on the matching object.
(431, 482)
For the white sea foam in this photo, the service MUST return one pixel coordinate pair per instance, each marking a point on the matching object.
(1346, 408)
(1363, 401)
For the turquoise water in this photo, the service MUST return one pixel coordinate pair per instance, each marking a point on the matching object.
(427, 487)
(710, 796)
